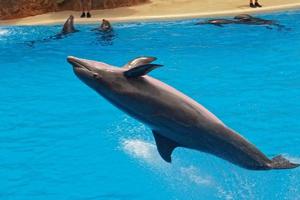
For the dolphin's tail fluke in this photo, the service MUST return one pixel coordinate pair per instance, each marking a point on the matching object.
(279, 162)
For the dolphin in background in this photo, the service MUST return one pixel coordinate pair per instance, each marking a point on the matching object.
(243, 19)
(216, 22)
(105, 26)
(175, 119)
(67, 29)
(250, 20)
(68, 26)
(106, 33)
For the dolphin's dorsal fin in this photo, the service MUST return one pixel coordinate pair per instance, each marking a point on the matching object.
(143, 60)
(165, 146)
(140, 67)
(140, 70)
(68, 26)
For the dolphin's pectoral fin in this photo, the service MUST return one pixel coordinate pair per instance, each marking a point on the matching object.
(143, 60)
(165, 146)
(140, 70)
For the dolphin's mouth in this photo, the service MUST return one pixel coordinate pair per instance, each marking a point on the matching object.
(78, 63)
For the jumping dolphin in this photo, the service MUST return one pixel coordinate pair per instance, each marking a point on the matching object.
(175, 119)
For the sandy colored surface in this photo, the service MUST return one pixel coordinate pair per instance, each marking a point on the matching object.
(162, 9)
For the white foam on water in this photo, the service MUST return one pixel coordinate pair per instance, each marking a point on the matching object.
(131, 25)
(293, 159)
(146, 152)
(190, 179)
(141, 150)
(223, 194)
(193, 174)
(136, 141)
(3, 32)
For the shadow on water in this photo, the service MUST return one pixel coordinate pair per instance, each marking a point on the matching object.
(106, 38)
(59, 36)
(279, 27)
(68, 28)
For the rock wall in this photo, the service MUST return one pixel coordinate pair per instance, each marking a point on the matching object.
(11, 9)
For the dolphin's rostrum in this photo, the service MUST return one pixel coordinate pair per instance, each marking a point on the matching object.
(175, 119)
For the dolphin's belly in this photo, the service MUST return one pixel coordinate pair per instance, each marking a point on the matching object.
(186, 122)
(165, 109)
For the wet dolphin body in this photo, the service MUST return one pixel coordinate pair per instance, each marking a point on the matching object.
(216, 22)
(106, 33)
(68, 28)
(243, 19)
(175, 119)
(105, 26)
(248, 19)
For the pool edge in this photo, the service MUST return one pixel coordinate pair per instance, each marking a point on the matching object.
(48, 18)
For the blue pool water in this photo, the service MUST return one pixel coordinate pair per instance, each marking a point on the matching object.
(61, 140)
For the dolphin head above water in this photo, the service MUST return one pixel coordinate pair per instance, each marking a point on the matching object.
(96, 75)
(105, 25)
(69, 26)
(109, 80)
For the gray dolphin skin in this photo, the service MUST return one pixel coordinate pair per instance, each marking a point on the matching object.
(105, 26)
(67, 29)
(68, 26)
(243, 19)
(250, 20)
(175, 119)
(216, 22)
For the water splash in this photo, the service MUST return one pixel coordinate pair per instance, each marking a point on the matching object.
(293, 159)
(3, 32)
(146, 152)
(214, 179)
(141, 150)
(129, 25)
(191, 179)
(193, 174)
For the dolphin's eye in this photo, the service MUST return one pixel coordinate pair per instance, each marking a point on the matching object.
(95, 75)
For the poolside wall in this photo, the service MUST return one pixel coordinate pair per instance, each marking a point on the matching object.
(12, 9)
